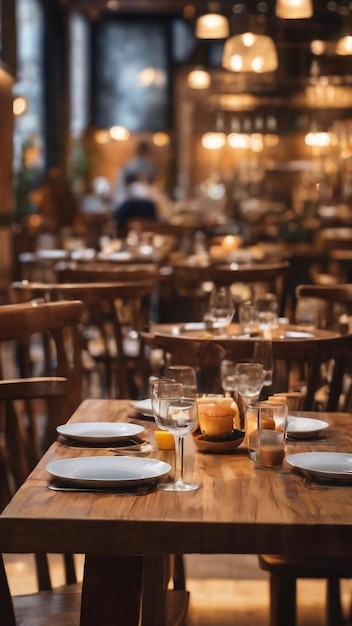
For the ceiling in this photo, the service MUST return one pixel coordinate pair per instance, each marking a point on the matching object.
(292, 39)
(327, 13)
(329, 16)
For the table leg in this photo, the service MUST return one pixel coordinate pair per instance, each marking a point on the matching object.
(155, 580)
(111, 591)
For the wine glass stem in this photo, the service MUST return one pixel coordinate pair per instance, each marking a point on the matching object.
(180, 455)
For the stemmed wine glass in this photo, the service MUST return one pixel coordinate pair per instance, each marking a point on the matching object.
(221, 307)
(186, 375)
(249, 381)
(177, 414)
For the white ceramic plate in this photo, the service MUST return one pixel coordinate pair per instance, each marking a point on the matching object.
(297, 334)
(323, 465)
(115, 256)
(108, 471)
(91, 432)
(144, 407)
(303, 427)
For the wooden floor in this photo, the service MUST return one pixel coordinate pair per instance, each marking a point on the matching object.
(224, 590)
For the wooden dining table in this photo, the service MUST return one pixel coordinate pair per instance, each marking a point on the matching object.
(238, 509)
(197, 344)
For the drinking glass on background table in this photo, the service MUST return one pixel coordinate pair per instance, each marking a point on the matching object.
(263, 353)
(186, 375)
(178, 415)
(307, 315)
(268, 312)
(221, 308)
(248, 315)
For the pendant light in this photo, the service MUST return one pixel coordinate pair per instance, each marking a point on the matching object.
(344, 45)
(294, 9)
(198, 78)
(249, 52)
(212, 25)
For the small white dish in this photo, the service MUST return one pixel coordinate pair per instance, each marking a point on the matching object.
(323, 465)
(92, 432)
(108, 471)
(144, 407)
(303, 427)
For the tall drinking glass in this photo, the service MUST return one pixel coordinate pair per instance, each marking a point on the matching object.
(186, 375)
(263, 354)
(221, 307)
(177, 414)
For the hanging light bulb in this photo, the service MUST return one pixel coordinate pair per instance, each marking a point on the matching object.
(213, 141)
(249, 52)
(212, 26)
(294, 9)
(344, 45)
(198, 79)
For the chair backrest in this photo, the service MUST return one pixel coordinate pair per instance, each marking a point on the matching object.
(328, 301)
(116, 310)
(43, 339)
(291, 356)
(248, 282)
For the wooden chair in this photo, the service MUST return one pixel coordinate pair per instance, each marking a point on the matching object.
(284, 572)
(332, 306)
(61, 607)
(115, 312)
(31, 408)
(192, 283)
(56, 327)
(331, 302)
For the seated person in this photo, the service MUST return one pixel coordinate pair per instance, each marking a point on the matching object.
(138, 203)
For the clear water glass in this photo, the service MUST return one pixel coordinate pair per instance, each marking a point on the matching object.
(263, 354)
(221, 307)
(186, 375)
(249, 381)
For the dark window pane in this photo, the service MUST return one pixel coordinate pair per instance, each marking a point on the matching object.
(132, 75)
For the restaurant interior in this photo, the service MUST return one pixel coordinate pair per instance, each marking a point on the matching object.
(154, 151)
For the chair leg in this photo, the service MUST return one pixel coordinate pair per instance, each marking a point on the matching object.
(334, 613)
(43, 573)
(282, 600)
(6, 607)
(70, 570)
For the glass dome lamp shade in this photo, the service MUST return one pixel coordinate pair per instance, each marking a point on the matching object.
(198, 79)
(250, 53)
(294, 9)
(212, 26)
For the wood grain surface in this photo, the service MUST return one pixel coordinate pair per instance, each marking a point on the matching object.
(238, 508)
